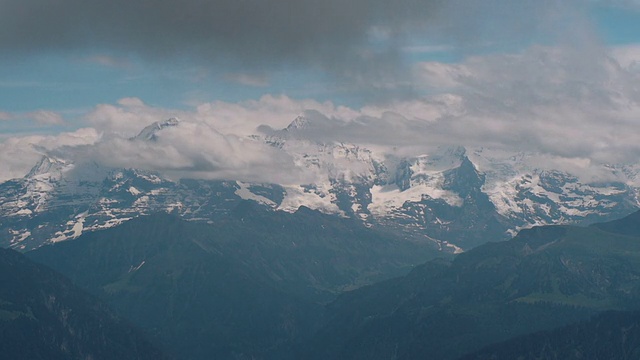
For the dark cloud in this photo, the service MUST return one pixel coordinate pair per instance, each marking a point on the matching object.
(359, 41)
(251, 30)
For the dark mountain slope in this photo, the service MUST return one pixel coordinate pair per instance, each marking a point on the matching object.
(611, 335)
(44, 316)
(544, 278)
(629, 225)
(245, 286)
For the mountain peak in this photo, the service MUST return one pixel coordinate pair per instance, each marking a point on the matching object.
(47, 165)
(150, 132)
(298, 123)
(307, 120)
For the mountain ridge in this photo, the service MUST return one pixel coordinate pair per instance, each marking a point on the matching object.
(544, 278)
(427, 195)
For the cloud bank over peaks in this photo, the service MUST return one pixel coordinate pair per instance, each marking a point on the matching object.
(360, 43)
(196, 150)
(19, 154)
(554, 100)
(577, 107)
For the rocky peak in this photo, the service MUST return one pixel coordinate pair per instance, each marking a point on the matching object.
(149, 133)
(47, 165)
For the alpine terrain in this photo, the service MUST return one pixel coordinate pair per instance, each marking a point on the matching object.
(454, 197)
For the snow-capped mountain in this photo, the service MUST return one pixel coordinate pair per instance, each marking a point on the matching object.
(149, 132)
(456, 197)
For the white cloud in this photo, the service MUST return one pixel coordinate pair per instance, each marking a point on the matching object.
(577, 107)
(131, 102)
(130, 115)
(19, 154)
(46, 117)
(628, 56)
(562, 101)
(244, 117)
(127, 118)
(210, 142)
(196, 150)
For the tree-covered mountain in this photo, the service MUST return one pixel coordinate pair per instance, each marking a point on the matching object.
(544, 278)
(611, 335)
(248, 285)
(44, 316)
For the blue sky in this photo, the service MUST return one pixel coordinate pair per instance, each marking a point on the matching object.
(461, 67)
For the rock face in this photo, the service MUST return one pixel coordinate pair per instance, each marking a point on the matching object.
(44, 316)
(456, 197)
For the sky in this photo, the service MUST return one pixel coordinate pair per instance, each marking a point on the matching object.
(557, 77)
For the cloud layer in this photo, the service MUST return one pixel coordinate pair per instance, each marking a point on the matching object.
(360, 42)
(575, 112)
(571, 100)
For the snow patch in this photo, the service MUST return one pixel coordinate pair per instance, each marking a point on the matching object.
(317, 198)
(74, 232)
(22, 212)
(385, 199)
(132, 268)
(245, 193)
(109, 223)
(456, 249)
(19, 236)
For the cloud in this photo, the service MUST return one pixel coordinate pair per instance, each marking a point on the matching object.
(130, 115)
(196, 150)
(576, 107)
(249, 79)
(243, 118)
(131, 102)
(46, 117)
(19, 154)
(211, 142)
(110, 61)
(427, 49)
(628, 56)
(126, 118)
(359, 42)
(41, 117)
(561, 102)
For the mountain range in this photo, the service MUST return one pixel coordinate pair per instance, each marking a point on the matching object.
(457, 198)
(376, 255)
(276, 285)
(544, 278)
